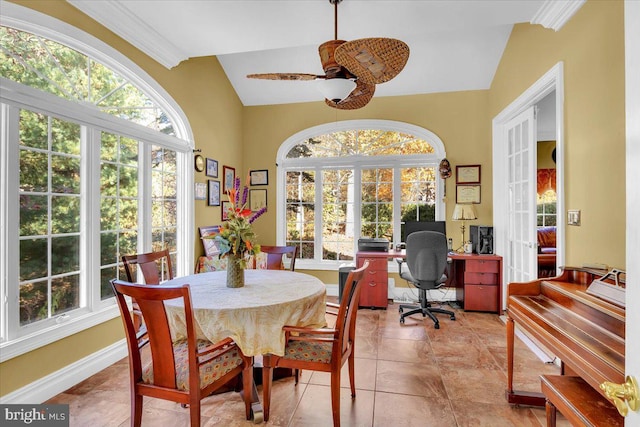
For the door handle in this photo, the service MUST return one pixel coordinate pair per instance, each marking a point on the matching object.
(622, 395)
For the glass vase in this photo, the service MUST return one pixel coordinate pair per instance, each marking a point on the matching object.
(235, 273)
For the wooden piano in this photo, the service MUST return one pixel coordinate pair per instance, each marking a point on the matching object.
(584, 331)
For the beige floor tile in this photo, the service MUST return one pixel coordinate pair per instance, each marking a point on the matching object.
(411, 411)
(315, 410)
(418, 379)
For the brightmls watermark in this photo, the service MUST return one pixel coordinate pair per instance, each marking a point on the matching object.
(35, 415)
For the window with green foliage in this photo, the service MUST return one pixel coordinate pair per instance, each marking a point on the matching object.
(370, 182)
(90, 172)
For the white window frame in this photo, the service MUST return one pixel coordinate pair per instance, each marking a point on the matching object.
(14, 96)
(358, 162)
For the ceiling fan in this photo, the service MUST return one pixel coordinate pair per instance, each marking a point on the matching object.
(352, 68)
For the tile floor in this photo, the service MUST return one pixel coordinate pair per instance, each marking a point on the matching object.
(406, 375)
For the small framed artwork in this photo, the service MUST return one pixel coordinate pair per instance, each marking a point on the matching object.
(200, 192)
(259, 177)
(467, 194)
(468, 174)
(212, 168)
(226, 208)
(257, 199)
(214, 193)
(228, 178)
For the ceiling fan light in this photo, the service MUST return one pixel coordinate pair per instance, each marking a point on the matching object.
(336, 89)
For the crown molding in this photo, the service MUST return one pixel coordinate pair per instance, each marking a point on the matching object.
(554, 14)
(115, 16)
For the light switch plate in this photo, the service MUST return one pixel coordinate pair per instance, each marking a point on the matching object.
(573, 217)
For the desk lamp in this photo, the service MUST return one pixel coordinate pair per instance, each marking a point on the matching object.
(463, 213)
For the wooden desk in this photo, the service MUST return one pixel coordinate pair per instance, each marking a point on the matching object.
(478, 281)
(374, 292)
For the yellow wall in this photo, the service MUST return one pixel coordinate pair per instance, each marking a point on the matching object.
(214, 111)
(459, 119)
(591, 45)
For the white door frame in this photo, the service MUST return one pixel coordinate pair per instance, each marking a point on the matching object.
(632, 88)
(552, 80)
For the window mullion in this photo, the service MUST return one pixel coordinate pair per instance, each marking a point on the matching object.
(357, 204)
(90, 222)
(144, 197)
(397, 216)
(319, 208)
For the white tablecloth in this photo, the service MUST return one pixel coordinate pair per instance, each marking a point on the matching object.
(253, 316)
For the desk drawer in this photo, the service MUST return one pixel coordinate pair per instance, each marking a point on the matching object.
(481, 278)
(482, 266)
(481, 298)
(375, 264)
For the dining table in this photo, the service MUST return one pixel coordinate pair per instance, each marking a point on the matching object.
(253, 315)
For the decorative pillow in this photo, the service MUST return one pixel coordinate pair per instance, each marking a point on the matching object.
(209, 372)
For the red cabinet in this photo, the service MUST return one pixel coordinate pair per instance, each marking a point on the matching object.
(478, 281)
(374, 292)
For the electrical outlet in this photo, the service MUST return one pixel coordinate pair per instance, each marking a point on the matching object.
(573, 217)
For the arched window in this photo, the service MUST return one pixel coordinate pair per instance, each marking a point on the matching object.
(353, 179)
(93, 167)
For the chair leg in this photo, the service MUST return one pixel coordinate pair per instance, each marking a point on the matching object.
(267, 379)
(247, 388)
(352, 376)
(194, 411)
(136, 410)
(335, 397)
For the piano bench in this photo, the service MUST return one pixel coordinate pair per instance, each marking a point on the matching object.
(580, 403)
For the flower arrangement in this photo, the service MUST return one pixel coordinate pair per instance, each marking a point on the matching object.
(236, 238)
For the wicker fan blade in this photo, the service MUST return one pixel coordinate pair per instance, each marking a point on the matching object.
(358, 98)
(373, 60)
(285, 76)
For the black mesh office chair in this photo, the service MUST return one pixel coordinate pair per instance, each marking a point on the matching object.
(426, 262)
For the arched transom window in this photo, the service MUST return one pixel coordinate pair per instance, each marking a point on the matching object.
(354, 179)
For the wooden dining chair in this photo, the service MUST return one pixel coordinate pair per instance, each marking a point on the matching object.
(155, 266)
(275, 256)
(183, 371)
(321, 349)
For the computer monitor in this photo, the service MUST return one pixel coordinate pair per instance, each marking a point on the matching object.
(413, 226)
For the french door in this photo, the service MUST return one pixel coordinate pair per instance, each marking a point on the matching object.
(521, 233)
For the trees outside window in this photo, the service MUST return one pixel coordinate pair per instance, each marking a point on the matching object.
(90, 172)
(356, 182)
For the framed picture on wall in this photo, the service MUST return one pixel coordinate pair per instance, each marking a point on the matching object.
(257, 199)
(228, 178)
(212, 168)
(259, 177)
(226, 208)
(200, 192)
(468, 174)
(214, 193)
(467, 194)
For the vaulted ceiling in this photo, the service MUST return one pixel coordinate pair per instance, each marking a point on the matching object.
(455, 44)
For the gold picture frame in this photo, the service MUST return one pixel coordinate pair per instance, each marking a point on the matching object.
(468, 194)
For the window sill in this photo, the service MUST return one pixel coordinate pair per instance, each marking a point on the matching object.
(24, 344)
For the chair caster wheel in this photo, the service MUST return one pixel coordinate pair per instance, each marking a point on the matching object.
(453, 317)
(400, 310)
(437, 326)
(402, 320)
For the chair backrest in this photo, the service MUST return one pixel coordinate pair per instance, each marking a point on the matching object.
(155, 266)
(346, 317)
(275, 254)
(427, 257)
(209, 245)
(150, 300)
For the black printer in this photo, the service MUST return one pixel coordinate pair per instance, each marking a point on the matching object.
(373, 245)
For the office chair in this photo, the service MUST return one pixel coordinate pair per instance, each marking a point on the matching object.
(426, 262)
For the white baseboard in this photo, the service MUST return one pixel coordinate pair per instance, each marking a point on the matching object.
(55, 383)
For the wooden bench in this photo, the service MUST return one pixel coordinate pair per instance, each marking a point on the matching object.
(578, 402)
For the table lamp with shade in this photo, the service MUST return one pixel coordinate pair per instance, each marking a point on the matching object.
(463, 212)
